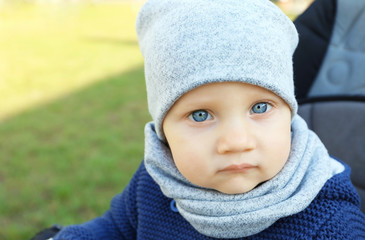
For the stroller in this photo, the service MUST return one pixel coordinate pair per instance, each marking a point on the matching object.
(329, 69)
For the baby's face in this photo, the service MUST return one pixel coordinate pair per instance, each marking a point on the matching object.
(229, 136)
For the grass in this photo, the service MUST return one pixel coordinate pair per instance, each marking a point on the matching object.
(63, 162)
(72, 110)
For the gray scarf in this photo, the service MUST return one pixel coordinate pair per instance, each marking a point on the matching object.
(221, 215)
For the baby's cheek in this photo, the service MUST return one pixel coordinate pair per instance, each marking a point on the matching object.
(191, 167)
(283, 154)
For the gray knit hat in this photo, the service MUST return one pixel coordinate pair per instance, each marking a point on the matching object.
(188, 43)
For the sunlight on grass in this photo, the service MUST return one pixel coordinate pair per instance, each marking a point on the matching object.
(48, 50)
(72, 111)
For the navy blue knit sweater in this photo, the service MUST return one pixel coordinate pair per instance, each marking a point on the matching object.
(141, 211)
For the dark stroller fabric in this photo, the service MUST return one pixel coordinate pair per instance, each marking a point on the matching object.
(315, 29)
(343, 140)
(329, 77)
(330, 56)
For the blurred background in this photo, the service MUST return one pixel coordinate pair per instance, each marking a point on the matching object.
(72, 108)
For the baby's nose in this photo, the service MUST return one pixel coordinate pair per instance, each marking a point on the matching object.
(236, 137)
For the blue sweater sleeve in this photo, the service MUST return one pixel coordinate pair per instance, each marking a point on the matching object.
(341, 203)
(347, 223)
(119, 222)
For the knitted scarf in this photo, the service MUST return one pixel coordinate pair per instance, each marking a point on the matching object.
(222, 215)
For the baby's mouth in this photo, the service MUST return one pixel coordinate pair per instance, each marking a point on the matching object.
(237, 168)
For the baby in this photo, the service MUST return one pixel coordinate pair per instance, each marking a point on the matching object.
(226, 155)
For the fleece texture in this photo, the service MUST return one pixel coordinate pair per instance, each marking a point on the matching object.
(188, 43)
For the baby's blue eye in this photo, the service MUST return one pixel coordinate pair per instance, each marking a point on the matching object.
(260, 107)
(200, 116)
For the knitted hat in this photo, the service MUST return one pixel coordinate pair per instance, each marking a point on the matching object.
(188, 43)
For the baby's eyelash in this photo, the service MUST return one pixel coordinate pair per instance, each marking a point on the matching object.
(269, 102)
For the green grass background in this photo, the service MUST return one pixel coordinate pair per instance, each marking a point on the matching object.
(72, 111)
